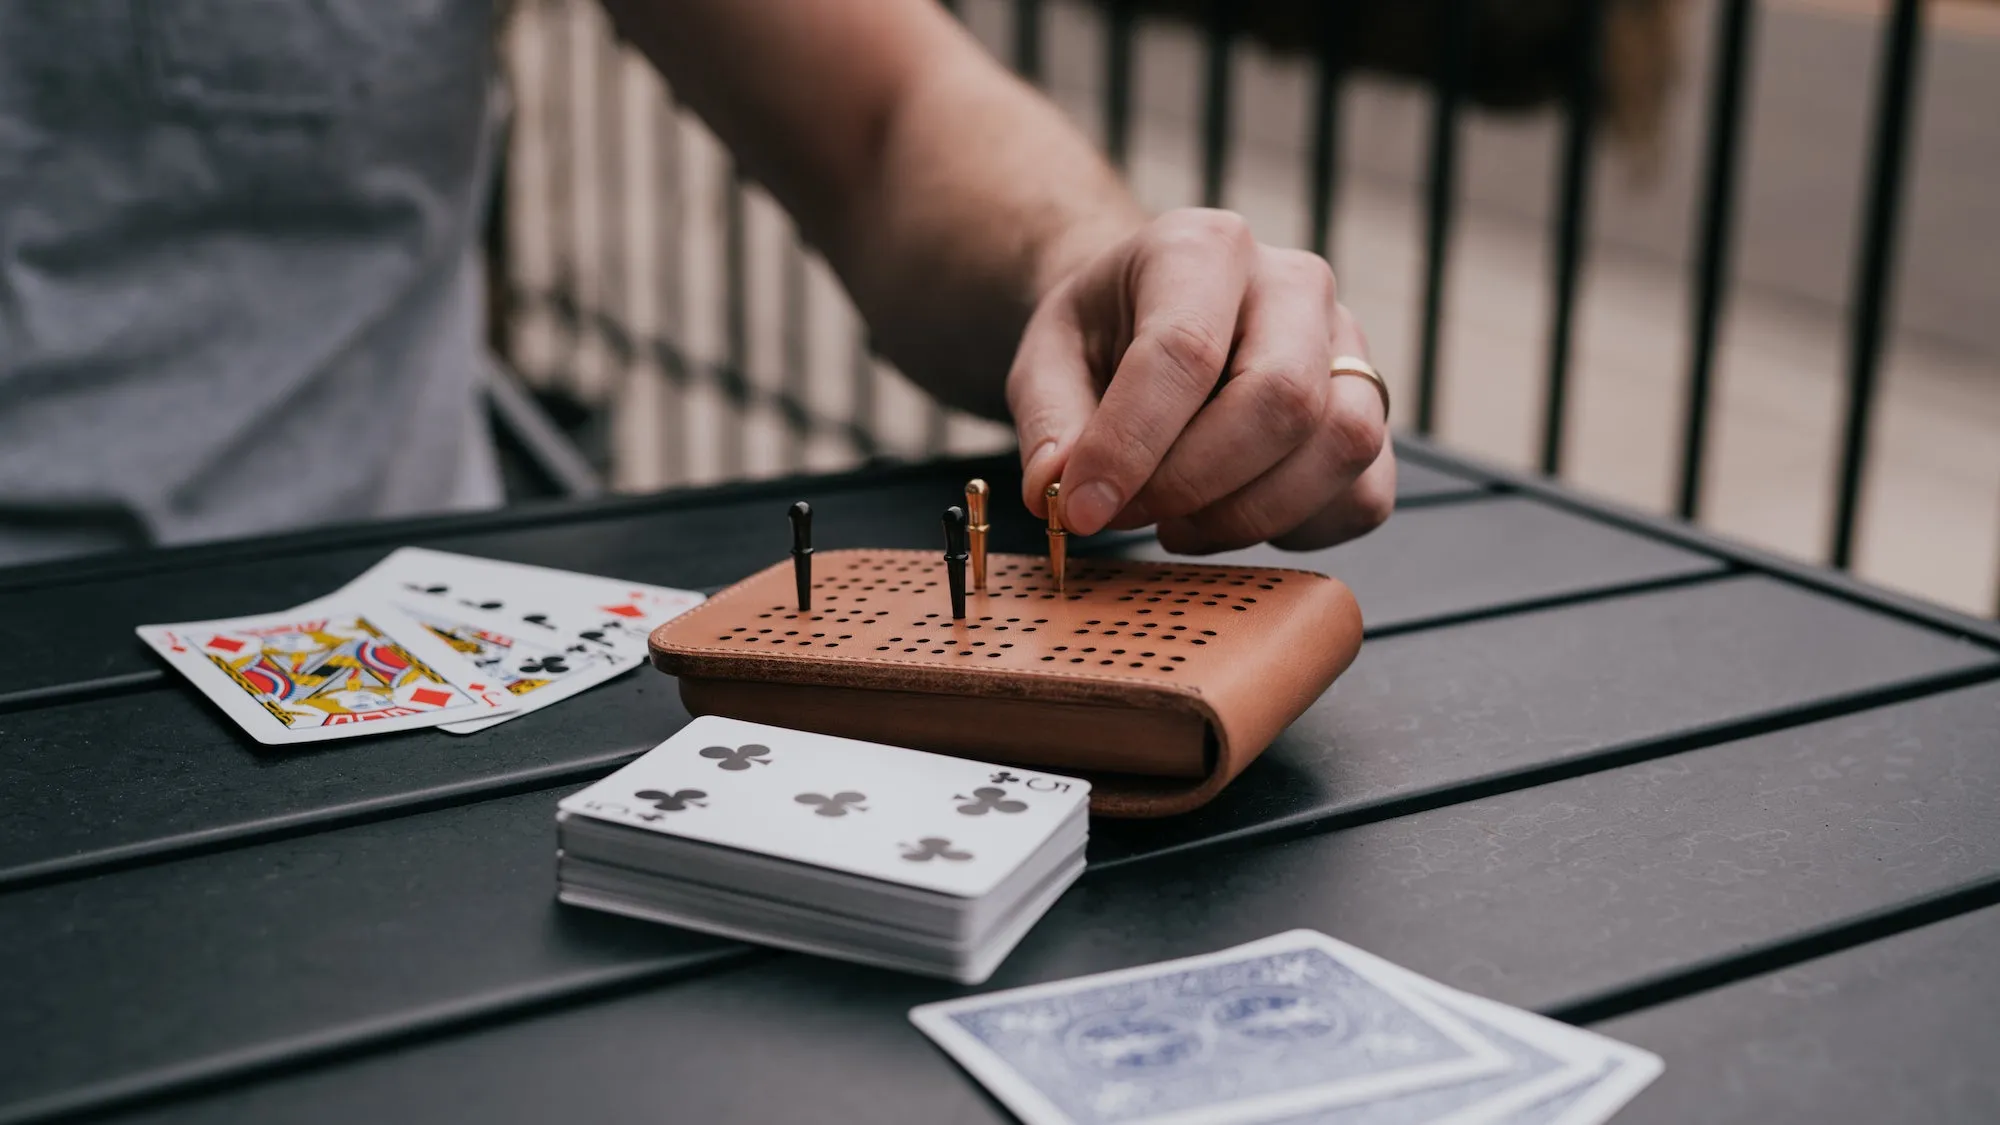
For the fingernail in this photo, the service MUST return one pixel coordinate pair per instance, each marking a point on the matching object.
(1091, 506)
(1038, 455)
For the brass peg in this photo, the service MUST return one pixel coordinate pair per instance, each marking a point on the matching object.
(1058, 536)
(975, 509)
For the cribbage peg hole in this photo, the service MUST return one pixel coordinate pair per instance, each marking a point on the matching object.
(899, 609)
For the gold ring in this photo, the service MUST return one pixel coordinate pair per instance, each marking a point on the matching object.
(1355, 365)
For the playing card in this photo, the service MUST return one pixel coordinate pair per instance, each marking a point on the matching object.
(922, 820)
(548, 634)
(535, 673)
(329, 671)
(1556, 1074)
(569, 611)
(1277, 1027)
(1594, 1098)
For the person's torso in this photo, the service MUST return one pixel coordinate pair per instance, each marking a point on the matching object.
(239, 284)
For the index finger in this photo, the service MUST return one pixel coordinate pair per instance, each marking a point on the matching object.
(1187, 287)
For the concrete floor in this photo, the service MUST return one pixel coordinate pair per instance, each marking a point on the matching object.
(1931, 518)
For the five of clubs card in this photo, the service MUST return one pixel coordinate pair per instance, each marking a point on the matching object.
(923, 820)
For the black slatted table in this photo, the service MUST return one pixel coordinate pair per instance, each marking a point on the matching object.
(1737, 811)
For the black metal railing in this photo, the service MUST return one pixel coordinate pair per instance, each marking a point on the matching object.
(1455, 36)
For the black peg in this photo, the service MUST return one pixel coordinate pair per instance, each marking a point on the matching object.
(955, 554)
(802, 553)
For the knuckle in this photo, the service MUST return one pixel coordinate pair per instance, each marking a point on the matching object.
(1287, 401)
(1121, 451)
(1208, 228)
(1357, 440)
(1306, 270)
(1190, 345)
(1174, 490)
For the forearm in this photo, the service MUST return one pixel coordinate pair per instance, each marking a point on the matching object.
(946, 194)
(987, 196)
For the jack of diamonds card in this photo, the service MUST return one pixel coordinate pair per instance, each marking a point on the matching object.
(328, 672)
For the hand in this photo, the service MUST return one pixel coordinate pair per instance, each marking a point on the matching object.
(1182, 379)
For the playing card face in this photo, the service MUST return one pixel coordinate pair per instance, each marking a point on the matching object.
(568, 611)
(548, 634)
(1262, 1032)
(331, 671)
(923, 820)
(535, 673)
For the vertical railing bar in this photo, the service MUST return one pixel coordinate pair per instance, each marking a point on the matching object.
(1221, 34)
(1888, 153)
(1323, 168)
(1572, 219)
(672, 314)
(1120, 29)
(613, 291)
(1028, 39)
(735, 373)
(561, 225)
(1442, 177)
(795, 401)
(862, 424)
(496, 244)
(1733, 31)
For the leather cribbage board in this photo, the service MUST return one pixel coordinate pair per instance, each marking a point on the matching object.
(1158, 681)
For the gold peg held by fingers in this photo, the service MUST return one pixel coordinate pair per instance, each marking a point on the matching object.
(975, 510)
(1058, 536)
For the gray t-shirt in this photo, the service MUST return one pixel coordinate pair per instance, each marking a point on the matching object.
(239, 277)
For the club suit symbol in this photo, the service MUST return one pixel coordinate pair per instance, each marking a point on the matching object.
(675, 801)
(933, 847)
(1004, 776)
(739, 758)
(986, 799)
(552, 665)
(840, 804)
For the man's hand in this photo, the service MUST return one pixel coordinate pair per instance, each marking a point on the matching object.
(1182, 379)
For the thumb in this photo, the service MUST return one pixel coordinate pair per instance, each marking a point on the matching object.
(1051, 395)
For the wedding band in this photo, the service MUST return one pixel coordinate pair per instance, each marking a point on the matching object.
(1355, 365)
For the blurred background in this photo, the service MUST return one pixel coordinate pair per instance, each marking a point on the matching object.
(1732, 260)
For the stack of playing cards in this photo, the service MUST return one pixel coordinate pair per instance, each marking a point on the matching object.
(847, 849)
(1297, 1028)
(422, 639)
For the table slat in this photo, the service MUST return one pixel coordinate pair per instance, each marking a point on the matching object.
(1896, 1030)
(115, 780)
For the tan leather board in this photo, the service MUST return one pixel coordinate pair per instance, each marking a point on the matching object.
(1245, 649)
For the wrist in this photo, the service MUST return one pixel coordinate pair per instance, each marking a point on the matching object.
(1082, 241)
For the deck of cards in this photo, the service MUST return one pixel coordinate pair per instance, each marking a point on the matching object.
(847, 849)
(422, 639)
(1298, 1028)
